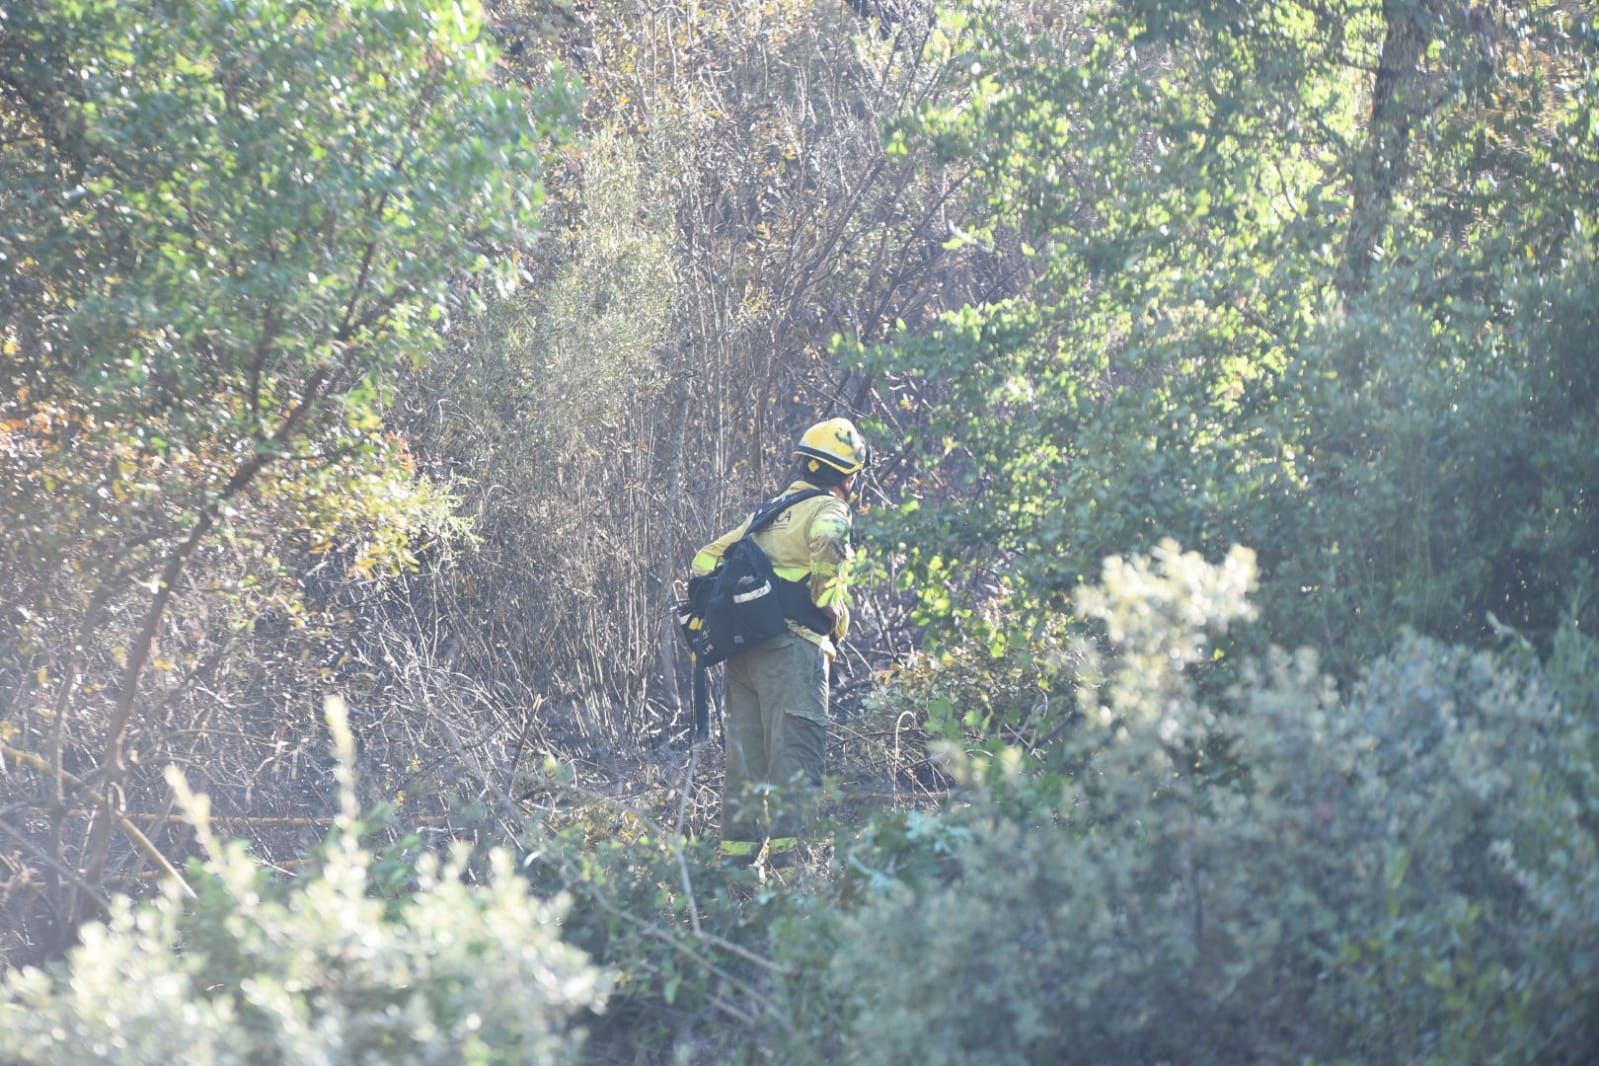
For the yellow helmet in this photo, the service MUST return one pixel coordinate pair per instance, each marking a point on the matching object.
(836, 443)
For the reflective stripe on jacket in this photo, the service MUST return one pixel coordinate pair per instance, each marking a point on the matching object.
(809, 541)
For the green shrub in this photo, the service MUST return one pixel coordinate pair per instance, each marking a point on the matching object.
(990, 687)
(1401, 873)
(687, 935)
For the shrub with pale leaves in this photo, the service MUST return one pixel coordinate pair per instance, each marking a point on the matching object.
(465, 968)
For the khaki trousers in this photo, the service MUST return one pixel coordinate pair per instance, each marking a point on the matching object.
(775, 727)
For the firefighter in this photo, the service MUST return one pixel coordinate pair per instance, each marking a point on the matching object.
(775, 720)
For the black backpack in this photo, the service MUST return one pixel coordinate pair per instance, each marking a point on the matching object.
(743, 603)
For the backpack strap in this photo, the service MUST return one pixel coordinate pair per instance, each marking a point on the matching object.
(767, 512)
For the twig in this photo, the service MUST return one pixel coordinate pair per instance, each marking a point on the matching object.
(129, 830)
(65, 871)
(677, 838)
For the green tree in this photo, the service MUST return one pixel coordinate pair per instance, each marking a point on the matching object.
(1314, 277)
(225, 227)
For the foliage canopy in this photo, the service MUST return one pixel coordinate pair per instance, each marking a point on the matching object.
(1316, 278)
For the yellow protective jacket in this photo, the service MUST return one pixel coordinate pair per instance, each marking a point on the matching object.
(808, 541)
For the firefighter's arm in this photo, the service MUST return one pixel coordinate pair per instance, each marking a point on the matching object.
(708, 557)
(830, 557)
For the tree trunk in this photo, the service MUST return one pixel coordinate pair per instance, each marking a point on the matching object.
(1379, 169)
